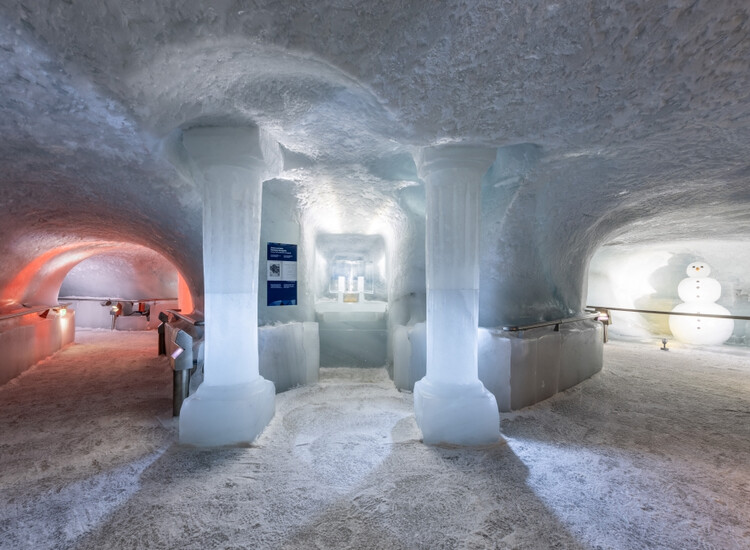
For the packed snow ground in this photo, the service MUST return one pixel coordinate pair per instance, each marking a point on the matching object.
(654, 452)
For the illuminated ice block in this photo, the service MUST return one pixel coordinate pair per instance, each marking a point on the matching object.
(451, 404)
(234, 403)
(701, 330)
(699, 292)
(409, 361)
(228, 414)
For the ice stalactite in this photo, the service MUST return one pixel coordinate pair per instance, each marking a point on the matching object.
(451, 403)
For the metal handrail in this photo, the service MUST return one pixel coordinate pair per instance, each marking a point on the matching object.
(103, 299)
(551, 323)
(712, 315)
(186, 318)
(29, 311)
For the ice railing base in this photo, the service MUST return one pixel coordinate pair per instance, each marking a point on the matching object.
(28, 337)
(519, 368)
(289, 354)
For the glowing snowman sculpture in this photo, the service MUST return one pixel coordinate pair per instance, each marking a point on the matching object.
(699, 292)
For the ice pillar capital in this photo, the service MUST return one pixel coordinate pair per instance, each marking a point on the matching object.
(442, 161)
(246, 148)
(234, 403)
(450, 402)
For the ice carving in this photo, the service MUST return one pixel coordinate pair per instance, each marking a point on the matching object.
(234, 403)
(450, 403)
(699, 292)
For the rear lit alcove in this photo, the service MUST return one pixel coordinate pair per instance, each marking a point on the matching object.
(351, 299)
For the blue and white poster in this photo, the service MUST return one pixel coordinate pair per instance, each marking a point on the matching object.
(282, 274)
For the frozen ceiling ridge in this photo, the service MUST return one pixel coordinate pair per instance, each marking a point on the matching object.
(637, 113)
(313, 107)
(38, 281)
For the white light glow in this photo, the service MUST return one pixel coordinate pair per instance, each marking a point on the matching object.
(631, 279)
(699, 293)
(355, 271)
(632, 282)
(381, 267)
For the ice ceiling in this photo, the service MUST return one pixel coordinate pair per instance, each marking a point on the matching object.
(617, 121)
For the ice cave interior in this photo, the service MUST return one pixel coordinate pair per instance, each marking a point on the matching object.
(443, 171)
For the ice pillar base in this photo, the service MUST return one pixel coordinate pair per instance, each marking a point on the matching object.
(227, 415)
(456, 414)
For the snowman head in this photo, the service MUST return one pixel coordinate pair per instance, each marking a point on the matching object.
(698, 269)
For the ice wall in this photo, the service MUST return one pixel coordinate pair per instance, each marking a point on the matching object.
(91, 313)
(289, 354)
(352, 335)
(646, 276)
(280, 223)
(129, 273)
(533, 264)
(26, 340)
(409, 355)
(408, 300)
(519, 368)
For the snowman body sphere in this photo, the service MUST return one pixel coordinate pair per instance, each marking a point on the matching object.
(698, 293)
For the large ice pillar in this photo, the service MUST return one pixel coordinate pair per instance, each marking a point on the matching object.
(451, 403)
(234, 403)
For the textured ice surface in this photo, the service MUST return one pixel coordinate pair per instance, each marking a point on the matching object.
(289, 354)
(409, 355)
(651, 452)
(26, 340)
(452, 335)
(519, 369)
(234, 402)
(648, 277)
(236, 414)
(450, 403)
(352, 334)
(228, 164)
(129, 273)
(590, 101)
(456, 414)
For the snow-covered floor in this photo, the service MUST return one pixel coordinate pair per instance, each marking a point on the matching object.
(654, 452)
